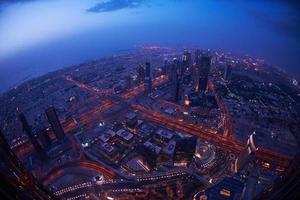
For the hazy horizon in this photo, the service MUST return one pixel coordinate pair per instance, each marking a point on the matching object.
(41, 36)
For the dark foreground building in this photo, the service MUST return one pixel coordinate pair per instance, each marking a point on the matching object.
(16, 181)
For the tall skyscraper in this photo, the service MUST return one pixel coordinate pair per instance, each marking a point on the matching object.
(140, 74)
(54, 122)
(203, 73)
(44, 138)
(148, 79)
(29, 133)
(176, 88)
(186, 60)
(227, 71)
(165, 67)
(175, 80)
(16, 181)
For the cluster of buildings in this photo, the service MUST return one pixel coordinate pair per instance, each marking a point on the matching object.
(93, 120)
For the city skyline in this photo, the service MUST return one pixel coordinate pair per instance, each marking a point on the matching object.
(144, 99)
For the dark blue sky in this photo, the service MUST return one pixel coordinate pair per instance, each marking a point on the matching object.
(39, 36)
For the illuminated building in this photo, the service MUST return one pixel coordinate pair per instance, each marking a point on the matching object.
(148, 79)
(16, 181)
(227, 189)
(187, 59)
(54, 122)
(30, 135)
(246, 155)
(286, 186)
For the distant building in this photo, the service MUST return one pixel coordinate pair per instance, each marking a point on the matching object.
(165, 67)
(187, 59)
(227, 71)
(148, 79)
(131, 120)
(204, 69)
(140, 74)
(175, 80)
(30, 135)
(128, 82)
(55, 123)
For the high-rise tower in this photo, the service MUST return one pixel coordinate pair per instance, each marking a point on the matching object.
(148, 79)
(29, 133)
(54, 122)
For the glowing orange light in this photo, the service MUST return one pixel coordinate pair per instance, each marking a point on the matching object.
(186, 102)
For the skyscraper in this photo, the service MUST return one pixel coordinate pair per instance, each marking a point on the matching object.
(227, 71)
(165, 67)
(148, 79)
(140, 74)
(54, 122)
(186, 60)
(29, 133)
(203, 73)
(44, 138)
(246, 156)
(16, 181)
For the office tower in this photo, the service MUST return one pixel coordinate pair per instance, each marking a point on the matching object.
(247, 155)
(197, 56)
(30, 135)
(131, 120)
(165, 67)
(186, 61)
(54, 122)
(172, 71)
(176, 88)
(44, 138)
(203, 72)
(174, 80)
(16, 181)
(227, 71)
(148, 79)
(140, 74)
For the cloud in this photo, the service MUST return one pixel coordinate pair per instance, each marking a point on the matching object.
(114, 5)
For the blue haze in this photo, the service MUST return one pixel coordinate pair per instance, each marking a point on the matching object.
(39, 36)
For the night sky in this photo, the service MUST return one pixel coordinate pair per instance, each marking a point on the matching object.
(39, 36)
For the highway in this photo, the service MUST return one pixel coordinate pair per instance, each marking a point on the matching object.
(226, 143)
